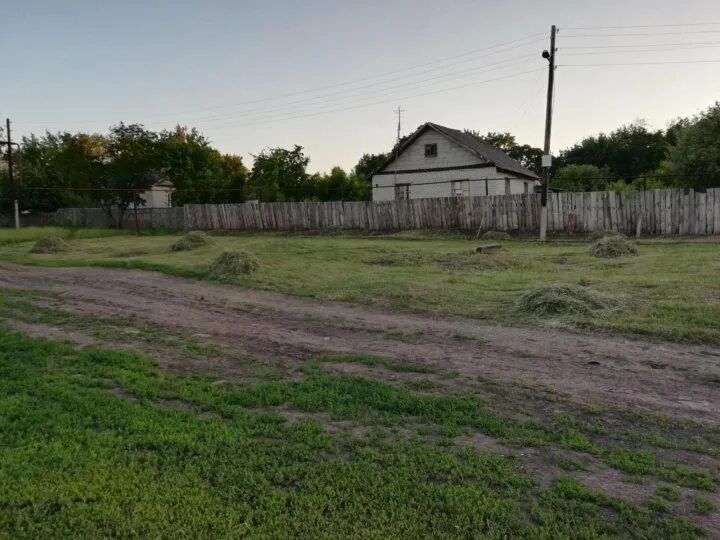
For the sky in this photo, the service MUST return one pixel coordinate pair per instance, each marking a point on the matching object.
(329, 74)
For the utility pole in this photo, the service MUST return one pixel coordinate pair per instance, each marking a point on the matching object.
(13, 187)
(547, 159)
(399, 112)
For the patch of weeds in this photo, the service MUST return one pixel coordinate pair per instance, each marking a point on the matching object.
(578, 441)
(568, 464)
(683, 475)
(423, 385)
(702, 505)
(668, 493)
(631, 461)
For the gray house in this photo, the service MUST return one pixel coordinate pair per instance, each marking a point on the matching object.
(437, 161)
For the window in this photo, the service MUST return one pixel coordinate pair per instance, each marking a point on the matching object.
(507, 186)
(431, 150)
(527, 187)
(460, 188)
(402, 192)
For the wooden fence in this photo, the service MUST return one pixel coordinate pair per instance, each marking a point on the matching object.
(660, 212)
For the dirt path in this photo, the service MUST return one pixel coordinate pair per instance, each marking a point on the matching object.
(663, 377)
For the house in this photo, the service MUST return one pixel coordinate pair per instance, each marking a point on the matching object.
(437, 161)
(159, 195)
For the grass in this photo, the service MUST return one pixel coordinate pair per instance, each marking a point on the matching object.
(669, 290)
(103, 443)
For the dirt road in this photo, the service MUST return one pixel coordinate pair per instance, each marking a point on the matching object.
(669, 378)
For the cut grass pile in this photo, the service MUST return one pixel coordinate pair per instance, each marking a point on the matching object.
(673, 287)
(192, 240)
(231, 264)
(564, 300)
(50, 244)
(496, 235)
(100, 443)
(610, 247)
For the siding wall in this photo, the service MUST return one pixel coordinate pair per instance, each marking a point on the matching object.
(426, 185)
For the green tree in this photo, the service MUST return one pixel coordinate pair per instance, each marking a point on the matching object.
(279, 174)
(368, 164)
(627, 152)
(235, 177)
(192, 165)
(131, 165)
(580, 178)
(695, 159)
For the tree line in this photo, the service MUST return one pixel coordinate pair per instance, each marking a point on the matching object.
(111, 170)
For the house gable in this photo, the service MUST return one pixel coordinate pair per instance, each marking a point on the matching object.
(449, 154)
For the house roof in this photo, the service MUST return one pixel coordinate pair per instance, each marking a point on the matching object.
(486, 152)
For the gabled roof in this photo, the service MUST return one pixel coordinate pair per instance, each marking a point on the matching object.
(488, 153)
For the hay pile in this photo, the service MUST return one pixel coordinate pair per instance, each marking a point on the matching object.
(50, 244)
(610, 247)
(231, 264)
(495, 235)
(192, 240)
(563, 300)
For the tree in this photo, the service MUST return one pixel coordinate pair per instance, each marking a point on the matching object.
(627, 152)
(279, 174)
(695, 159)
(235, 177)
(190, 163)
(580, 178)
(340, 186)
(131, 164)
(368, 164)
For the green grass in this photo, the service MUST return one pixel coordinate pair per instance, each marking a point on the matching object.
(668, 290)
(100, 443)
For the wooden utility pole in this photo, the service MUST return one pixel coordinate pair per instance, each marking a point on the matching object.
(399, 112)
(547, 160)
(13, 187)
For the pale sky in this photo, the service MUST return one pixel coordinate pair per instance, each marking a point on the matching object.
(327, 74)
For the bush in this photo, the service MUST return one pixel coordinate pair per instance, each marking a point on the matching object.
(563, 299)
(192, 240)
(50, 244)
(612, 246)
(230, 264)
(496, 235)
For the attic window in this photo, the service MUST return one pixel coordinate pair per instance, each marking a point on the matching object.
(431, 150)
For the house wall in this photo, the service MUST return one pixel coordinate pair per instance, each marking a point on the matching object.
(449, 154)
(157, 197)
(431, 184)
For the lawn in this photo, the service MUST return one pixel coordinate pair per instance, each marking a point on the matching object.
(102, 443)
(670, 289)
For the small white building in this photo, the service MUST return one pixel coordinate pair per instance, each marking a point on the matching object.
(437, 161)
(159, 195)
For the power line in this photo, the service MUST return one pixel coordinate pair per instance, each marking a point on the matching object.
(625, 51)
(642, 34)
(380, 91)
(639, 26)
(503, 47)
(574, 47)
(643, 63)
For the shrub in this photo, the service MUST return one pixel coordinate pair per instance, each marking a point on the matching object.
(612, 246)
(563, 299)
(192, 240)
(50, 244)
(496, 235)
(233, 263)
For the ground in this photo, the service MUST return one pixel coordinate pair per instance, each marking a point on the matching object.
(139, 403)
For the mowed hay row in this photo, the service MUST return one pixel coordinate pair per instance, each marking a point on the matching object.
(230, 264)
(50, 244)
(610, 247)
(560, 300)
(193, 240)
